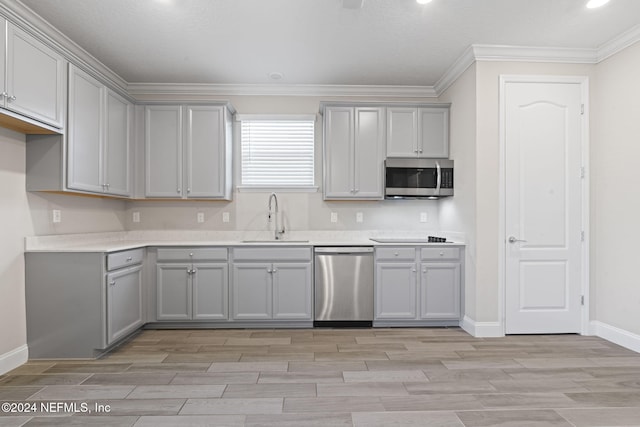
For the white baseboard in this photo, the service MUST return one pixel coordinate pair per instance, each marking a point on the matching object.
(481, 329)
(13, 359)
(616, 335)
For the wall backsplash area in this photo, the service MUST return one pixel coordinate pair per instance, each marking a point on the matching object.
(299, 211)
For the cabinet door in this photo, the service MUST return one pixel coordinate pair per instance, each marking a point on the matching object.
(433, 132)
(117, 178)
(440, 291)
(396, 287)
(205, 152)
(338, 153)
(210, 284)
(173, 292)
(163, 151)
(252, 291)
(35, 78)
(292, 291)
(402, 132)
(85, 151)
(124, 302)
(369, 153)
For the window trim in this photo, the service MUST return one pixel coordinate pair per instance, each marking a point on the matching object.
(247, 188)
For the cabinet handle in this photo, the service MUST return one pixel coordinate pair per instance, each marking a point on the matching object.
(395, 254)
(420, 150)
(188, 190)
(441, 253)
(178, 190)
(275, 270)
(191, 254)
(129, 259)
(4, 94)
(269, 270)
(112, 283)
(413, 269)
(424, 270)
(11, 98)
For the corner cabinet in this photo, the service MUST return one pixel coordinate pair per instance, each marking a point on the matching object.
(418, 286)
(99, 135)
(32, 76)
(188, 152)
(80, 304)
(272, 284)
(353, 152)
(418, 131)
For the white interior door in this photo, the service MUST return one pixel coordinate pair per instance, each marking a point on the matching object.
(543, 217)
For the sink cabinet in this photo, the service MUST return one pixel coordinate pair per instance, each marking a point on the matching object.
(272, 284)
(418, 286)
(79, 304)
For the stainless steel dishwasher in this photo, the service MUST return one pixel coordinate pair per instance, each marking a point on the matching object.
(343, 286)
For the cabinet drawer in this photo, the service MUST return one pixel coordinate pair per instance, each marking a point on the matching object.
(274, 254)
(118, 260)
(192, 254)
(439, 253)
(390, 254)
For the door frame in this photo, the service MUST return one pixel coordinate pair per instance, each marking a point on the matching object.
(583, 81)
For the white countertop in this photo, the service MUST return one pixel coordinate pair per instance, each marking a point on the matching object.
(123, 240)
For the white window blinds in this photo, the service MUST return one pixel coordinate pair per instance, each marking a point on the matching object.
(277, 153)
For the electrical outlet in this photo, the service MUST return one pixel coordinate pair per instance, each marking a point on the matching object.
(57, 215)
(200, 217)
(136, 216)
(225, 216)
(359, 217)
(334, 216)
(423, 217)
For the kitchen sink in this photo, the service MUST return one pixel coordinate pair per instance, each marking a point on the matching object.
(402, 240)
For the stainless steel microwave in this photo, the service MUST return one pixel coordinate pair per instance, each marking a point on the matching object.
(418, 178)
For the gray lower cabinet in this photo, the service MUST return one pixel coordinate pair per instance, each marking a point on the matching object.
(192, 284)
(272, 284)
(79, 304)
(418, 285)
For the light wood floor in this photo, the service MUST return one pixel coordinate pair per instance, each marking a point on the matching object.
(337, 377)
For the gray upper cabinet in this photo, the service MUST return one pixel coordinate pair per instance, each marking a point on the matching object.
(98, 137)
(418, 131)
(32, 77)
(188, 152)
(354, 152)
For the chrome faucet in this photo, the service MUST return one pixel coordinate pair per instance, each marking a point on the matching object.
(277, 231)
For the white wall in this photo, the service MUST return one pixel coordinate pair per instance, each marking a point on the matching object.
(615, 196)
(458, 213)
(27, 214)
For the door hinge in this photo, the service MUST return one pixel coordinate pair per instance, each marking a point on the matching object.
(582, 236)
(581, 299)
(581, 109)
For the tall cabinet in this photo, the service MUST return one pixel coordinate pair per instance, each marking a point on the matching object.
(188, 151)
(354, 152)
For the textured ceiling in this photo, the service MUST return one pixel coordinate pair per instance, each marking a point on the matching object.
(386, 42)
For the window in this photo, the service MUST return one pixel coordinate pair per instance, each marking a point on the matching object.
(277, 152)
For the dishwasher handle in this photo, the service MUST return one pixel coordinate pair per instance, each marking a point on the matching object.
(344, 250)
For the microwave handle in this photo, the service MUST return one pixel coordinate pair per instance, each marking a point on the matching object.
(438, 178)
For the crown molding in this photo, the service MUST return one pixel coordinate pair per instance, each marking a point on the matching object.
(141, 90)
(36, 26)
(618, 43)
(533, 54)
(455, 70)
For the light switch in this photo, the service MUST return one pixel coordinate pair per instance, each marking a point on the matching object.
(334, 216)
(225, 216)
(136, 216)
(57, 215)
(359, 217)
(200, 217)
(423, 217)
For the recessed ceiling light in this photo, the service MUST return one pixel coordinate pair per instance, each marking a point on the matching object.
(423, 1)
(592, 4)
(274, 75)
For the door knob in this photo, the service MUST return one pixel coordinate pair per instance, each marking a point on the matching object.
(514, 240)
